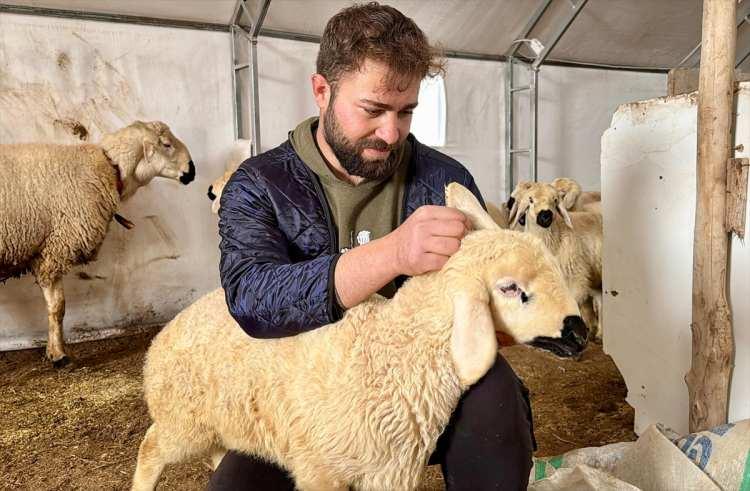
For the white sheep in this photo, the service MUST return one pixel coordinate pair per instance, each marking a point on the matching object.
(574, 238)
(56, 202)
(360, 402)
(239, 153)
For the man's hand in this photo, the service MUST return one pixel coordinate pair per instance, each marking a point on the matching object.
(426, 240)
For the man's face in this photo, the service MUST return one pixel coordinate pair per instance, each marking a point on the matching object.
(366, 122)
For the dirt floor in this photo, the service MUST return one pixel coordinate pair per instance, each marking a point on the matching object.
(80, 427)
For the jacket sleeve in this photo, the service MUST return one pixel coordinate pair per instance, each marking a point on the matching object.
(267, 294)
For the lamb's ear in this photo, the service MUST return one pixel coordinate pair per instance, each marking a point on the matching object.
(473, 342)
(148, 150)
(520, 210)
(569, 191)
(157, 127)
(457, 196)
(565, 215)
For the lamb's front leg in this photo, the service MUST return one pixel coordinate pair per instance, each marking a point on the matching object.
(55, 298)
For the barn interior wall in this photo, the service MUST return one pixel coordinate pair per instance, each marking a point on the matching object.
(649, 162)
(56, 74)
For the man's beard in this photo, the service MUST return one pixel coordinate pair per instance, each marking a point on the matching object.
(350, 155)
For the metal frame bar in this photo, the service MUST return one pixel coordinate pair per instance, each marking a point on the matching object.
(235, 95)
(533, 88)
(743, 15)
(530, 25)
(559, 34)
(509, 177)
(117, 18)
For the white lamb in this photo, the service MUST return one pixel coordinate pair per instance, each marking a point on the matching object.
(574, 198)
(574, 238)
(239, 153)
(56, 202)
(360, 402)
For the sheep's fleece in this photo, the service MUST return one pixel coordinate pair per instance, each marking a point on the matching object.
(360, 402)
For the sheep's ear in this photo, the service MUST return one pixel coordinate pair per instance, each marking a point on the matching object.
(156, 126)
(569, 191)
(457, 196)
(148, 150)
(473, 342)
(520, 210)
(565, 215)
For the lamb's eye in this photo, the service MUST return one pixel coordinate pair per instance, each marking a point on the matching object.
(509, 288)
(524, 297)
(531, 200)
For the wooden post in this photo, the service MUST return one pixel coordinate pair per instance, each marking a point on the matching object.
(713, 344)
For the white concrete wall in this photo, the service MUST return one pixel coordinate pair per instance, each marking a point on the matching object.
(575, 108)
(648, 161)
(104, 76)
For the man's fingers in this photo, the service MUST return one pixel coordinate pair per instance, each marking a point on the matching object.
(431, 212)
(444, 246)
(446, 228)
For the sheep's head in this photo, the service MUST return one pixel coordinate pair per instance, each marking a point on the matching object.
(239, 152)
(517, 193)
(216, 188)
(569, 190)
(505, 281)
(143, 151)
(538, 206)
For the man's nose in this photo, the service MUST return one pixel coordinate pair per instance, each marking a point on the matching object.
(388, 130)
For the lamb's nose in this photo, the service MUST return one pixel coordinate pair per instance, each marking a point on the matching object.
(190, 175)
(544, 218)
(210, 193)
(575, 331)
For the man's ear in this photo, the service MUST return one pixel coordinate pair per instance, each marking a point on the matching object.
(321, 91)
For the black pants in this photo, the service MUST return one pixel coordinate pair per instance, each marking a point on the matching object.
(487, 444)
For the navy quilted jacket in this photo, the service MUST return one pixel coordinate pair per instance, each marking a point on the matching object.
(278, 243)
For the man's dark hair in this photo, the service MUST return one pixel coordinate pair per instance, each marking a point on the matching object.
(380, 33)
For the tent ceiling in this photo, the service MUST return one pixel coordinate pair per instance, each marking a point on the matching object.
(640, 33)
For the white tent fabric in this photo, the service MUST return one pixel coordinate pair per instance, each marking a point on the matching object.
(636, 33)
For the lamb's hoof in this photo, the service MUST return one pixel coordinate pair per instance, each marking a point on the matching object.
(62, 362)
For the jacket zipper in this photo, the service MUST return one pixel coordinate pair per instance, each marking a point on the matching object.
(334, 249)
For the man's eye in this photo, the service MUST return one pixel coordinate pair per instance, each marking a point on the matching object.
(373, 112)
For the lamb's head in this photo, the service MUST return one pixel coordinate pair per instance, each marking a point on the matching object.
(144, 150)
(569, 190)
(216, 188)
(506, 281)
(517, 193)
(239, 152)
(538, 206)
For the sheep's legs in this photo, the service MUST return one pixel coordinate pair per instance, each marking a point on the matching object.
(151, 462)
(160, 448)
(216, 457)
(55, 298)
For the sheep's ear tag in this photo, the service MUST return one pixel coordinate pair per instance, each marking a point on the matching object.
(457, 196)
